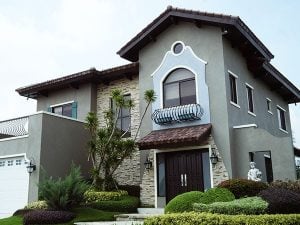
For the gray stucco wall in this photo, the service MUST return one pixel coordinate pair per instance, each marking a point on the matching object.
(206, 42)
(63, 141)
(85, 96)
(268, 136)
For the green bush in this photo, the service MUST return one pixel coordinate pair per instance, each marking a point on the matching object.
(63, 194)
(289, 185)
(97, 196)
(125, 204)
(243, 188)
(37, 205)
(184, 202)
(248, 206)
(218, 219)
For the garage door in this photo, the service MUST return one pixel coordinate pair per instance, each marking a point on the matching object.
(14, 181)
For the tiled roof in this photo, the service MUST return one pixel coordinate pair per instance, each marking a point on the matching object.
(176, 137)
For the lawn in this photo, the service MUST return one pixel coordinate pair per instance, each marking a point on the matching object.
(82, 214)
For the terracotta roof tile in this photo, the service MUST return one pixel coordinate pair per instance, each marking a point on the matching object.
(183, 136)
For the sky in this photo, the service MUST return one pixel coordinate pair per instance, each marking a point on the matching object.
(42, 40)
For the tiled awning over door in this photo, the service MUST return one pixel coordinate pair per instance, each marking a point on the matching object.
(176, 137)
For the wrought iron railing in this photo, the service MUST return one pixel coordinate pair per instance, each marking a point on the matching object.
(177, 114)
(14, 127)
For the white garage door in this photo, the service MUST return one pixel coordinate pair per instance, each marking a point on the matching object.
(14, 181)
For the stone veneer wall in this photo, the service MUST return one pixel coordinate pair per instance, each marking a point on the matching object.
(147, 187)
(129, 171)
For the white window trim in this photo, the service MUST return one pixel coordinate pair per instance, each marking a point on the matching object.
(61, 104)
(236, 90)
(249, 112)
(269, 111)
(279, 122)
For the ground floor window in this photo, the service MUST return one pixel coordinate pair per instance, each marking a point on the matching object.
(263, 162)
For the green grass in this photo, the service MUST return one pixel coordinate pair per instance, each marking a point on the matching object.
(82, 214)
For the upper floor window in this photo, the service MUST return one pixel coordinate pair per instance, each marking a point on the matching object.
(68, 109)
(233, 88)
(281, 118)
(179, 88)
(124, 118)
(269, 107)
(250, 98)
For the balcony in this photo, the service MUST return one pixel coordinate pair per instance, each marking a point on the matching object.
(177, 114)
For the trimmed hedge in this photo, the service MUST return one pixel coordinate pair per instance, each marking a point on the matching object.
(37, 205)
(281, 200)
(218, 219)
(47, 217)
(184, 202)
(125, 204)
(243, 188)
(97, 196)
(248, 206)
(290, 185)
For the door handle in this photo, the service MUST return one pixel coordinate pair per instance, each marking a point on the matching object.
(181, 176)
(185, 180)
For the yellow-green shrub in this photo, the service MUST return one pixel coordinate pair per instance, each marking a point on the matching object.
(97, 196)
(37, 205)
(218, 219)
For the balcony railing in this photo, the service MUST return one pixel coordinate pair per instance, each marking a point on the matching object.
(177, 114)
(14, 127)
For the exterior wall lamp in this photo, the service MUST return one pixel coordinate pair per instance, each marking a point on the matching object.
(148, 164)
(214, 158)
(31, 167)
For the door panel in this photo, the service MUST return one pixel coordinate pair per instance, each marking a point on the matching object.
(184, 172)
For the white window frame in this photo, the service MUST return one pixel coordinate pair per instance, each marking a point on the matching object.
(236, 89)
(279, 118)
(10, 162)
(252, 90)
(2, 163)
(270, 103)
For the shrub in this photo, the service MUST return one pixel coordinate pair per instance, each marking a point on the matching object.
(290, 185)
(217, 219)
(133, 190)
(47, 217)
(281, 200)
(63, 194)
(184, 202)
(248, 206)
(37, 205)
(97, 196)
(126, 204)
(243, 188)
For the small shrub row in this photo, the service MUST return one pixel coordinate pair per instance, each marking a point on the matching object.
(47, 217)
(243, 188)
(218, 219)
(184, 202)
(290, 185)
(97, 196)
(125, 204)
(248, 206)
(37, 205)
(281, 200)
(133, 190)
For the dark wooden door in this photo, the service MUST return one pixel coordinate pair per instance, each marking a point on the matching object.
(184, 173)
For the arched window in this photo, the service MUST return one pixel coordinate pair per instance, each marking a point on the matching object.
(179, 88)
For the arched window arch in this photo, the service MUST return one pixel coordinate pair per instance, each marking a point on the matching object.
(179, 88)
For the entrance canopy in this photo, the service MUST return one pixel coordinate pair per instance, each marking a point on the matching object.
(176, 137)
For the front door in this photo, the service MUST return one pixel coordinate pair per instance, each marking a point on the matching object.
(184, 172)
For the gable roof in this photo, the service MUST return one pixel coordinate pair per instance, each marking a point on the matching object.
(235, 30)
(238, 30)
(88, 76)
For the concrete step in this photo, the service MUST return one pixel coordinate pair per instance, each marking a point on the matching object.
(150, 210)
(111, 223)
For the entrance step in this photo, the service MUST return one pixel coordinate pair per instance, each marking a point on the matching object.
(111, 223)
(150, 210)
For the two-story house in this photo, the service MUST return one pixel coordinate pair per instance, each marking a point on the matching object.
(220, 104)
